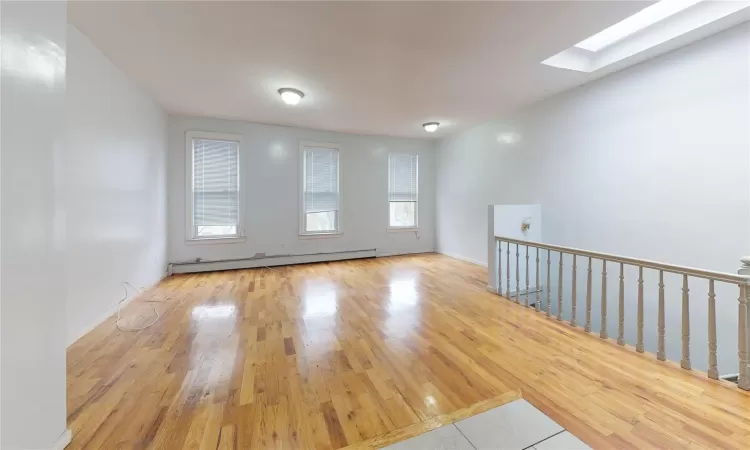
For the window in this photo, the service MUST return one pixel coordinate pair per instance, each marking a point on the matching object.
(320, 189)
(214, 186)
(402, 190)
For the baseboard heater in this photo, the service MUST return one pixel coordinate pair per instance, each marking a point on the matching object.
(263, 260)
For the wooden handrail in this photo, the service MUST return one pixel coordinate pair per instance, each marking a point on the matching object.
(673, 268)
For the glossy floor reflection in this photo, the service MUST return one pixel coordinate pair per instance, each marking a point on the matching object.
(315, 356)
(355, 353)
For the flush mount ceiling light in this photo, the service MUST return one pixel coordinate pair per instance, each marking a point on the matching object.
(291, 96)
(430, 127)
(663, 26)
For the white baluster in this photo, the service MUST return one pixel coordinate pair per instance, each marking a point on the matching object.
(660, 353)
(743, 334)
(537, 305)
(603, 332)
(499, 267)
(639, 345)
(713, 371)
(573, 300)
(507, 270)
(588, 298)
(518, 277)
(685, 363)
(560, 290)
(621, 311)
(549, 286)
(527, 276)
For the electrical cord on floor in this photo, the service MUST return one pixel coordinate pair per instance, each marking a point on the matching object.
(119, 309)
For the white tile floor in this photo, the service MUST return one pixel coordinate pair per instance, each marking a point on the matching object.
(562, 441)
(515, 426)
(444, 438)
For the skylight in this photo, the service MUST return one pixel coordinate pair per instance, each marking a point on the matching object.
(661, 27)
(635, 23)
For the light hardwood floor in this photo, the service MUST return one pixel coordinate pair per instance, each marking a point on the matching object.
(363, 353)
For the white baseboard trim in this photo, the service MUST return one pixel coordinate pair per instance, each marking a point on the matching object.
(63, 440)
(107, 315)
(463, 258)
(414, 252)
(97, 322)
(251, 263)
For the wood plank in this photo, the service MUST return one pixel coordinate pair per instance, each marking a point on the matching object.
(365, 353)
(436, 422)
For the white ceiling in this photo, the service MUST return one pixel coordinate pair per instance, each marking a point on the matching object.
(373, 68)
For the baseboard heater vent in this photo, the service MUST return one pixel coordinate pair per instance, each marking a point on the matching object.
(263, 260)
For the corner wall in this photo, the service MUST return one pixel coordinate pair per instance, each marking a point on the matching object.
(270, 161)
(32, 242)
(650, 162)
(113, 186)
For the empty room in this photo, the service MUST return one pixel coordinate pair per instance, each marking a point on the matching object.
(512, 225)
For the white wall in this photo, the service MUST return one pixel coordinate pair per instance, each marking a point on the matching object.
(650, 162)
(32, 301)
(270, 161)
(474, 171)
(113, 186)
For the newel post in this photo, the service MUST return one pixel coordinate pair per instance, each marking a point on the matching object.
(492, 252)
(743, 380)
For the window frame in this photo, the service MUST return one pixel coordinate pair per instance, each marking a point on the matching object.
(396, 229)
(303, 234)
(190, 237)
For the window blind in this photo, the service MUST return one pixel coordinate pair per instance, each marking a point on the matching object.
(321, 180)
(215, 183)
(402, 179)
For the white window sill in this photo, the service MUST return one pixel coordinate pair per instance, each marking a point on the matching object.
(400, 229)
(320, 235)
(216, 240)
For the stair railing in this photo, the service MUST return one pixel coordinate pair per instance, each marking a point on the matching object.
(508, 250)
